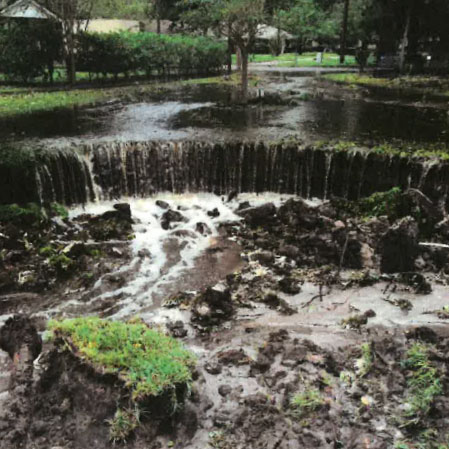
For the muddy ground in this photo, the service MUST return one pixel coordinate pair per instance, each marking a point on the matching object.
(306, 317)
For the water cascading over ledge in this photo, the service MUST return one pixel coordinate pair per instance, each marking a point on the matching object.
(112, 170)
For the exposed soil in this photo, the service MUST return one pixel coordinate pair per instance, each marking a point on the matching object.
(316, 305)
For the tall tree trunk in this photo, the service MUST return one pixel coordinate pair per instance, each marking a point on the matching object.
(158, 21)
(344, 32)
(245, 55)
(404, 40)
(230, 51)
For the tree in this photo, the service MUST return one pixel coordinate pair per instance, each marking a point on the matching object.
(307, 21)
(72, 14)
(238, 20)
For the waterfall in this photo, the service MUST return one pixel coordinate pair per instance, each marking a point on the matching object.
(110, 171)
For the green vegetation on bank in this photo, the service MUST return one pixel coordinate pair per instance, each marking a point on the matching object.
(30, 213)
(25, 103)
(418, 84)
(38, 101)
(301, 60)
(149, 362)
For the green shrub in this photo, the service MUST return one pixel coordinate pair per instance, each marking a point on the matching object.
(29, 48)
(115, 53)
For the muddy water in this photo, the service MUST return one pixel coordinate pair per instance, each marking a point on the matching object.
(210, 112)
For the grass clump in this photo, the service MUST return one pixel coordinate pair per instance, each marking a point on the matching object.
(123, 424)
(380, 203)
(423, 383)
(306, 402)
(29, 213)
(365, 362)
(149, 362)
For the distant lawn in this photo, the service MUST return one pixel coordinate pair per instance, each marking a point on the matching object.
(303, 60)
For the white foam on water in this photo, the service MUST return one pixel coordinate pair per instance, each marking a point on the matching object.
(151, 237)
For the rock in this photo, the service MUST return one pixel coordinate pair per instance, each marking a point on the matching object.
(177, 329)
(418, 282)
(163, 204)
(232, 196)
(399, 247)
(244, 205)
(289, 251)
(213, 306)
(213, 213)
(213, 368)
(296, 212)
(6, 281)
(202, 228)
(74, 249)
(124, 210)
(233, 357)
(224, 390)
(264, 257)
(289, 286)
(171, 216)
(257, 216)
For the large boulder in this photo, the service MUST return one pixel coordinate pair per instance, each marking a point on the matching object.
(258, 216)
(399, 247)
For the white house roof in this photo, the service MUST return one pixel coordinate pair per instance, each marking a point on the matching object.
(27, 9)
(267, 32)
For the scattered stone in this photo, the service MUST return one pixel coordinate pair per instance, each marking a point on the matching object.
(224, 390)
(213, 213)
(163, 204)
(171, 216)
(259, 215)
(400, 247)
(177, 329)
(290, 286)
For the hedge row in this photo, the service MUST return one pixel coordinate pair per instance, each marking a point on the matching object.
(116, 53)
(29, 50)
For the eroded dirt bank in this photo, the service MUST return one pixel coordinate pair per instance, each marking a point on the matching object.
(327, 327)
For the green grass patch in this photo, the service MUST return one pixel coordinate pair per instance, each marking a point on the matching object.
(417, 84)
(303, 60)
(423, 383)
(26, 103)
(306, 402)
(149, 362)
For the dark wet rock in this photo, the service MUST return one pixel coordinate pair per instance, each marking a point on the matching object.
(290, 251)
(260, 215)
(144, 253)
(224, 390)
(177, 329)
(423, 333)
(124, 209)
(202, 228)
(213, 368)
(275, 302)
(356, 322)
(162, 204)
(264, 257)
(213, 213)
(296, 212)
(232, 196)
(400, 247)
(290, 286)
(212, 307)
(171, 216)
(417, 281)
(234, 357)
(244, 205)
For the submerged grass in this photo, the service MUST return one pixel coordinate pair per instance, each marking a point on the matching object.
(306, 402)
(149, 362)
